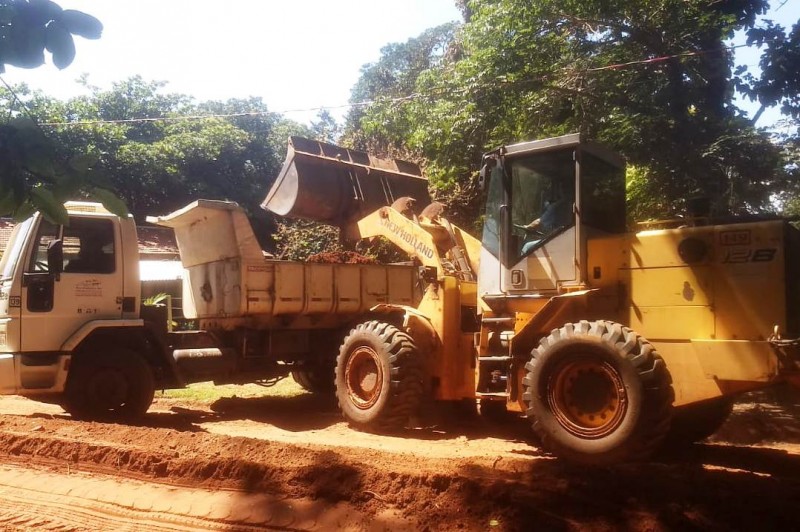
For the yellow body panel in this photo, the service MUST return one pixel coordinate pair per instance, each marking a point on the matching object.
(739, 280)
(708, 315)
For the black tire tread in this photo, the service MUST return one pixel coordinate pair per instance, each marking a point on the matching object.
(405, 370)
(135, 366)
(314, 379)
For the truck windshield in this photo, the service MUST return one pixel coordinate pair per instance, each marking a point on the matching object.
(16, 243)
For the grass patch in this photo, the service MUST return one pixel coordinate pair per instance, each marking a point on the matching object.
(208, 392)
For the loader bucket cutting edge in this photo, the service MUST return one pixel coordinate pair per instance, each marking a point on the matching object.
(336, 186)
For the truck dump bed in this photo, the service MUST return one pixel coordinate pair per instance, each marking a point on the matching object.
(228, 276)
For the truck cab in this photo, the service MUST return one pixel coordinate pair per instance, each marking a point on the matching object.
(58, 283)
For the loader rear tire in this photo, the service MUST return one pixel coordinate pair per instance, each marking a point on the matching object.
(598, 393)
(696, 422)
(117, 386)
(379, 377)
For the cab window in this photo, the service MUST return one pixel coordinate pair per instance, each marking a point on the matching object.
(89, 246)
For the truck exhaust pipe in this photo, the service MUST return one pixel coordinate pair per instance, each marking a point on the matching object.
(337, 186)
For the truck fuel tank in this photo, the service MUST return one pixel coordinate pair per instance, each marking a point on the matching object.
(337, 186)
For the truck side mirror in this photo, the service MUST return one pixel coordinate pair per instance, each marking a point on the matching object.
(55, 257)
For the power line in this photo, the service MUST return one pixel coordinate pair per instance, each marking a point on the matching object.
(366, 103)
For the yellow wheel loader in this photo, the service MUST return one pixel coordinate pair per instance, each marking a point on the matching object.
(607, 341)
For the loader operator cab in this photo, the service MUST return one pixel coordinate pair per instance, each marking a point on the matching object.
(544, 200)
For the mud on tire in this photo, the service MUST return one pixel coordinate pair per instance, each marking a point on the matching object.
(598, 393)
(379, 377)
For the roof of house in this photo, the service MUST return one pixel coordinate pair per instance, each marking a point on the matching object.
(154, 242)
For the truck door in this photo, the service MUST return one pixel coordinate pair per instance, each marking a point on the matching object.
(89, 287)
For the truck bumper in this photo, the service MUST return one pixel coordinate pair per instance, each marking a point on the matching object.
(32, 374)
(8, 374)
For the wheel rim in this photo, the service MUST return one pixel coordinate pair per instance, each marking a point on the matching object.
(107, 389)
(364, 377)
(587, 397)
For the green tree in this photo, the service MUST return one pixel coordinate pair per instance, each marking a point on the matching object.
(160, 151)
(378, 120)
(35, 173)
(325, 128)
(651, 78)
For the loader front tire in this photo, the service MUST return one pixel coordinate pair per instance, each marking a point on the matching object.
(379, 377)
(598, 393)
(115, 386)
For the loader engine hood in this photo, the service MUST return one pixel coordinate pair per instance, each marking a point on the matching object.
(337, 186)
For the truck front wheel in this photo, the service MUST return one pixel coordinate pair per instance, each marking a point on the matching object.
(118, 386)
(379, 377)
(598, 393)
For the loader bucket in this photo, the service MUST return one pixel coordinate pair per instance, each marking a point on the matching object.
(337, 186)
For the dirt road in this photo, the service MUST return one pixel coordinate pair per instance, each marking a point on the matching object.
(290, 463)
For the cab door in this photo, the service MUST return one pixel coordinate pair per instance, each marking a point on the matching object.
(89, 286)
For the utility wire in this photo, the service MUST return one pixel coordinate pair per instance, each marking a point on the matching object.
(399, 99)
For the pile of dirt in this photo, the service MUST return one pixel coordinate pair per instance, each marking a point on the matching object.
(340, 257)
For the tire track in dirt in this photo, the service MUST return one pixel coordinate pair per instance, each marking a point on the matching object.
(46, 500)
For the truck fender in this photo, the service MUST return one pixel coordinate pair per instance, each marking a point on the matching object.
(90, 327)
(414, 323)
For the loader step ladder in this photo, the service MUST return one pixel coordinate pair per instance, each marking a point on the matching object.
(496, 367)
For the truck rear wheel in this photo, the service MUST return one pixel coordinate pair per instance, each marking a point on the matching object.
(598, 393)
(379, 378)
(317, 379)
(118, 385)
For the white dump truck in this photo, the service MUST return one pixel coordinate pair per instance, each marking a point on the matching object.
(74, 331)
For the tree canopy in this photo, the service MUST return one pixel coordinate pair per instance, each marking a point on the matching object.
(35, 174)
(654, 79)
(151, 148)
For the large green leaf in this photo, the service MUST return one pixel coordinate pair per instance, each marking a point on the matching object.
(49, 205)
(43, 11)
(59, 42)
(110, 201)
(79, 23)
(23, 211)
